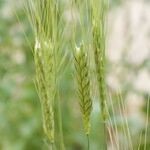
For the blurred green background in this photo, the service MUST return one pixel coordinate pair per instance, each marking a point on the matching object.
(128, 67)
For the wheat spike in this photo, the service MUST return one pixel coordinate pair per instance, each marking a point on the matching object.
(98, 31)
(45, 83)
(43, 16)
(82, 72)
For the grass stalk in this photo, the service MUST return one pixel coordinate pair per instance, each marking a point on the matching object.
(59, 121)
(88, 142)
(146, 124)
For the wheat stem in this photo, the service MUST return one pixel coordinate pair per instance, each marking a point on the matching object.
(88, 142)
(59, 116)
(146, 124)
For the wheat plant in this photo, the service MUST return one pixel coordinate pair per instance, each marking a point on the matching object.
(45, 17)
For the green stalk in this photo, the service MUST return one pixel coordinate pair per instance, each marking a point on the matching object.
(59, 122)
(88, 141)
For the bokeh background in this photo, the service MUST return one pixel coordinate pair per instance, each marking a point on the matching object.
(128, 75)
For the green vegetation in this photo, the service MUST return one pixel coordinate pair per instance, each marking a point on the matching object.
(54, 73)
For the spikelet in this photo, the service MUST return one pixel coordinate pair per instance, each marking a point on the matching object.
(45, 83)
(83, 81)
(98, 32)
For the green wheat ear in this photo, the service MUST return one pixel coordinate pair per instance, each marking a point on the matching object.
(42, 15)
(98, 30)
(45, 83)
(83, 81)
(98, 16)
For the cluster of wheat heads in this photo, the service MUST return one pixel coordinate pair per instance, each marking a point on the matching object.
(45, 18)
(95, 16)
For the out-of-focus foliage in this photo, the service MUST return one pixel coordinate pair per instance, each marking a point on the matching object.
(20, 120)
(20, 111)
